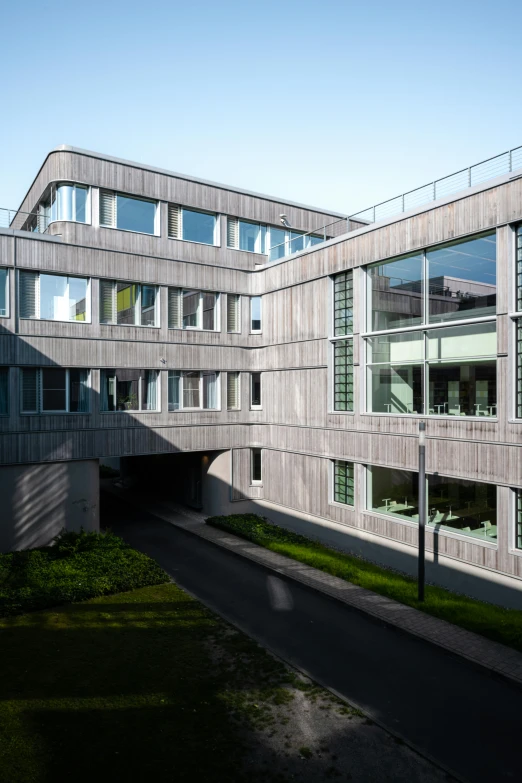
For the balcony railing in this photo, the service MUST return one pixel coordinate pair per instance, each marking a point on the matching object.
(30, 221)
(504, 163)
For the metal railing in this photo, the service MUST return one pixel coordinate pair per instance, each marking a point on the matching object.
(25, 221)
(504, 163)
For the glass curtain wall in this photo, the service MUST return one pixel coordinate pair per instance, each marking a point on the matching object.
(448, 371)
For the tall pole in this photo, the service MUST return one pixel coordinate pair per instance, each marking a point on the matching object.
(422, 509)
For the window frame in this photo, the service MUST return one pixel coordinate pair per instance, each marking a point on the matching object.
(333, 464)
(39, 273)
(140, 409)
(252, 406)
(202, 373)
(200, 310)
(40, 390)
(260, 330)
(137, 305)
(337, 339)
(115, 193)
(216, 235)
(253, 481)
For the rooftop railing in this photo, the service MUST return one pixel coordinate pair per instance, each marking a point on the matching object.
(504, 163)
(8, 215)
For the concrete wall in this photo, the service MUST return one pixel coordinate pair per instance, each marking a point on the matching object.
(38, 501)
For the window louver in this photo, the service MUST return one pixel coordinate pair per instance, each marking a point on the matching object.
(232, 232)
(174, 226)
(30, 378)
(175, 305)
(107, 208)
(233, 391)
(29, 295)
(233, 324)
(107, 302)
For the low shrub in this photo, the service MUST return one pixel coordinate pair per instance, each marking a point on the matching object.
(76, 567)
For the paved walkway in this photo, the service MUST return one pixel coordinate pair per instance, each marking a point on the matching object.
(497, 658)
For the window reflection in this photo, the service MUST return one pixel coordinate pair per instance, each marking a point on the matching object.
(396, 291)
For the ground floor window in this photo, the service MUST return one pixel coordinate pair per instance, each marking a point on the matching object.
(257, 475)
(343, 486)
(457, 505)
(129, 390)
(190, 390)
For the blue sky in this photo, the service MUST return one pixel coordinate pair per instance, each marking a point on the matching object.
(335, 104)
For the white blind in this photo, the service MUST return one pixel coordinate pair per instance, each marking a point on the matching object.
(30, 386)
(174, 226)
(233, 324)
(232, 232)
(107, 208)
(107, 302)
(29, 295)
(175, 306)
(233, 391)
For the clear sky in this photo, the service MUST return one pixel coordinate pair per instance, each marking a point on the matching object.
(334, 104)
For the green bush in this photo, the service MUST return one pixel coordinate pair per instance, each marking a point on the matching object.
(76, 567)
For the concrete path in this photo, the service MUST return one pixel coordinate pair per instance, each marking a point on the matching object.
(453, 712)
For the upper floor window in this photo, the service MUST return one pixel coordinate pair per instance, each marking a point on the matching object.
(260, 238)
(518, 325)
(54, 297)
(192, 225)
(233, 391)
(66, 201)
(193, 309)
(233, 313)
(4, 292)
(128, 212)
(255, 314)
(129, 390)
(246, 235)
(4, 391)
(54, 390)
(189, 390)
(452, 282)
(255, 390)
(342, 342)
(133, 304)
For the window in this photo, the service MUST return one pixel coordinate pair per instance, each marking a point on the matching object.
(54, 297)
(257, 476)
(233, 391)
(343, 486)
(192, 225)
(4, 391)
(448, 371)
(4, 292)
(255, 390)
(245, 235)
(129, 390)
(55, 390)
(283, 242)
(518, 325)
(453, 505)
(67, 201)
(342, 342)
(131, 304)
(255, 313)
(127, 212)
(518, 511)
(233, 313)
(193, 309)
(193, 390)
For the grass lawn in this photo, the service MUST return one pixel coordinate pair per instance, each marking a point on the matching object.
(143, 685)
(494, 622)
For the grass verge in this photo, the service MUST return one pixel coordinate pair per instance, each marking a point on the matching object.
(78, 566)
(493, 622)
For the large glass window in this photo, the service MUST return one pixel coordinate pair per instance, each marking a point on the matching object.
(342, 345)
(442, 371)
(251, 237)
(4, 292)
(343, 482)
(453, 505)
(54, 297)
(198, 226)
(193, 390)
(131, 304)
(4, 391)
(69, 202)
(193, 309)
(55, 390)
(127, 212)
(129, 390)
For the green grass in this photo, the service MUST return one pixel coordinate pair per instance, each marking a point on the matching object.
(144, 685)
(78, 566)
(494, 622)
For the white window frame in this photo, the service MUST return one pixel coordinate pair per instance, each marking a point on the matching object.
(140, 409)
(115, 227)
(256, 482)
(258, 243)
(38, 317)
(252, 406)
(40, 390)
(137, 306)
(182, 374)
(7, 292)
(252, 330)
(199, 314)
(216, 236)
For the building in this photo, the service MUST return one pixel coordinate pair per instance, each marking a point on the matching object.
(245, 353)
